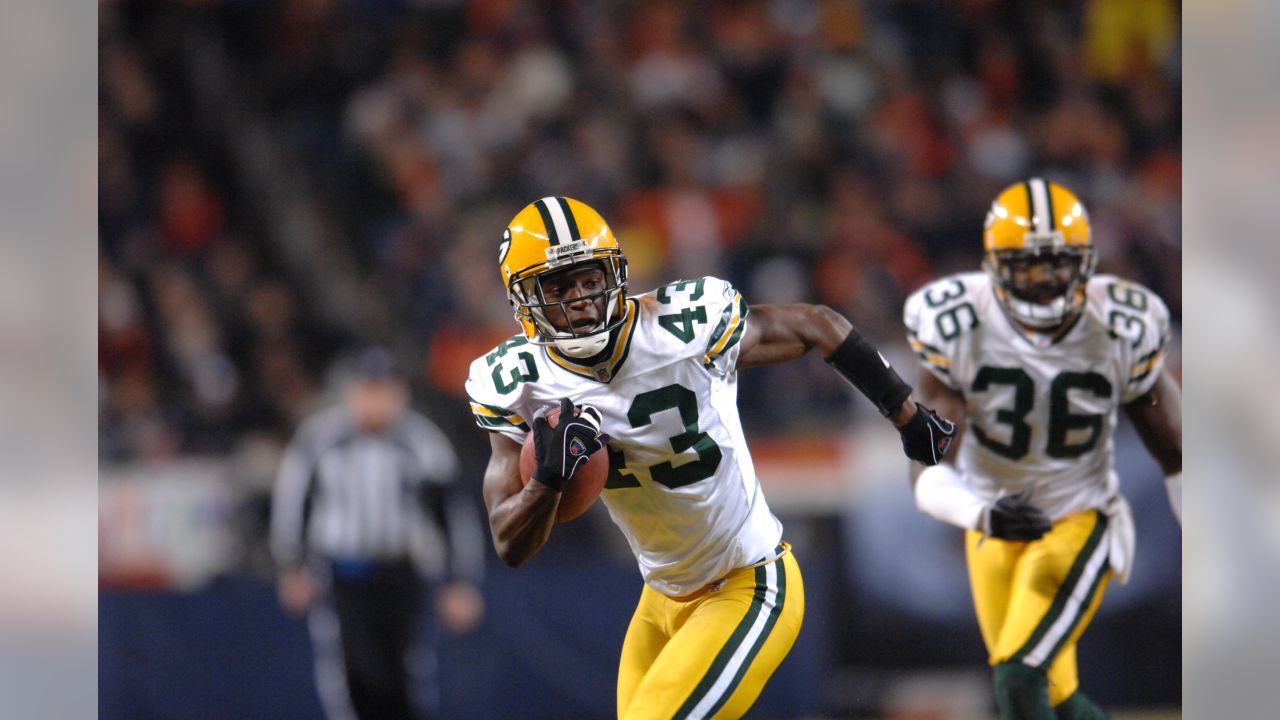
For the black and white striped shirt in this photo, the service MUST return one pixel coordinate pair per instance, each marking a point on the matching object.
(347, 494)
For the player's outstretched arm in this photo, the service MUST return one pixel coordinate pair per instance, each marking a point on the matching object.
(778, 333)
(520, 516)
(1157, 416)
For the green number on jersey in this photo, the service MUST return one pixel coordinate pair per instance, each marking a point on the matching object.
(682, 325)
(501, 350)
(949, 323)
(1132, 327)
(955, 319)
(1023, 399)
(517, 376)
(640, 414)
(1132, 298)
(620, 476)
(951, 293)
(1061, 419)
(1122, 323)
(664, 296)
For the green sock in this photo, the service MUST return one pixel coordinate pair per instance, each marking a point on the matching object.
(1079, 707)
(1022, 692)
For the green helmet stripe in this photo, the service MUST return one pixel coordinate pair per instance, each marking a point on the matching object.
(1040, 205)
(552, 236)
(568, 216)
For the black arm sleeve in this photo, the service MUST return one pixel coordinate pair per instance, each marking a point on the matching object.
(861, 364)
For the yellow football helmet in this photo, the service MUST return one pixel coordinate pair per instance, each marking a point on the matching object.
(1039, 252)
(548, 236)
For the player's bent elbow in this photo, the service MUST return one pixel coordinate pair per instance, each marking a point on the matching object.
(513, 552)
(505, 549)
(827, 328)
(510, 556)
(1171, 460)
(823, 316)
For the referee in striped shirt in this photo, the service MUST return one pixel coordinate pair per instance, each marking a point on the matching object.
(365, 522)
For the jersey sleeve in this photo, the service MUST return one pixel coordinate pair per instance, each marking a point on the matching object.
(706, 318)
(930, 317)
(493, 389)
(296, 485)
(1140, 320)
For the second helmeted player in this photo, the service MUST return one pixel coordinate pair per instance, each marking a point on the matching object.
(1035, 355)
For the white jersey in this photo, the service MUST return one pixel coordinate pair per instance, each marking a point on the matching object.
(681, 483)
(1041, 415)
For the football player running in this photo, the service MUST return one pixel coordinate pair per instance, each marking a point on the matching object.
(655, 376)
(1035, 356)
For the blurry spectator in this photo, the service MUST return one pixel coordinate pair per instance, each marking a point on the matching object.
(1123, 39)
(862, 141)
(364, 511)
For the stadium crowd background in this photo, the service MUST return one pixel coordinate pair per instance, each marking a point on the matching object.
(836, 152)
(281, 182)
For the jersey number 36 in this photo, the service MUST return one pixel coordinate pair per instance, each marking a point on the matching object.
(1061, 419)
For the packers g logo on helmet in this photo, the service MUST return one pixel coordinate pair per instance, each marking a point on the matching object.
(550, 235)
(1039, 252)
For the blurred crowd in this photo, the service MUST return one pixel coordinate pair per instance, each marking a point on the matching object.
(807, 150)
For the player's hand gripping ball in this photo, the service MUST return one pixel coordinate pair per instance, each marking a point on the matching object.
(570, 457)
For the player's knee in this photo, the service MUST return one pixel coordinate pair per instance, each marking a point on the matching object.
(1022, 692)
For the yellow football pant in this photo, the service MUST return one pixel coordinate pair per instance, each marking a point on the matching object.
(1034, 599)
(709, 654)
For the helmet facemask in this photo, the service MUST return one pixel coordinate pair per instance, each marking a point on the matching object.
(533, 306)
(1042, 287)
(1039, 253)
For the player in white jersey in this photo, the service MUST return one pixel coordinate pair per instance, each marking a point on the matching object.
(655, 376)
(1035, 356)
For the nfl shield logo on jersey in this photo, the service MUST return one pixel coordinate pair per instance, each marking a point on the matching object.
(602, 373)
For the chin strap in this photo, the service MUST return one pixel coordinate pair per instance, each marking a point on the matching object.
(1053, 314)
(583, 347)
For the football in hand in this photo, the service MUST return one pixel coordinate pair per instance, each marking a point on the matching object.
(585, 485)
